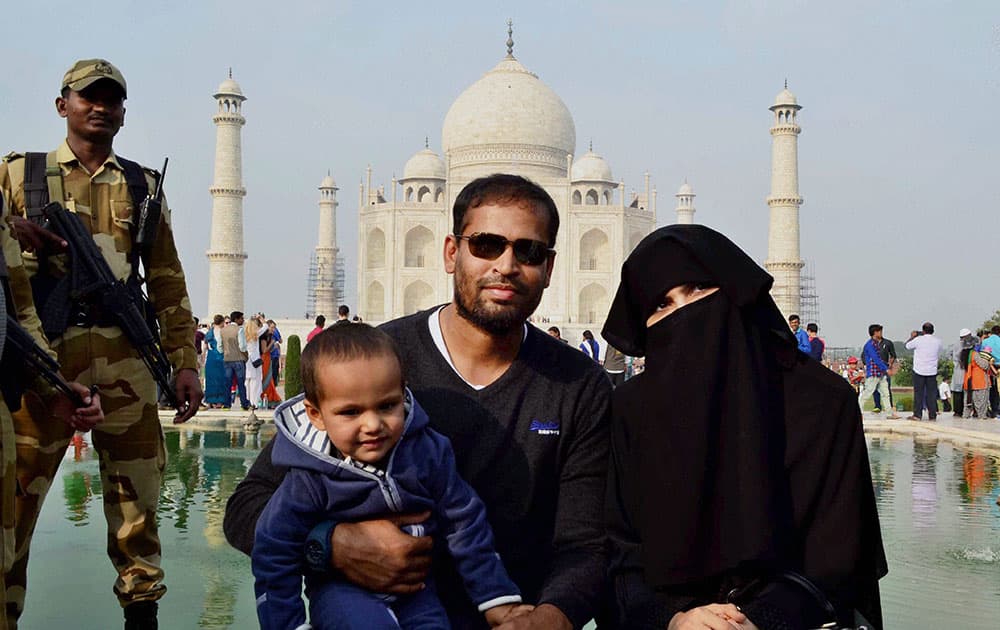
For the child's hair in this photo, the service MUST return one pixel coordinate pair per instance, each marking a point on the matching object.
(344, 343)
(813, 328)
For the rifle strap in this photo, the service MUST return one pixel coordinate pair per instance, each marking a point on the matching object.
(138, 189)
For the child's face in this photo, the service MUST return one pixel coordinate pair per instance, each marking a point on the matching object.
(360, 406)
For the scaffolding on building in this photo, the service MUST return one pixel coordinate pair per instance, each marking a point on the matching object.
(808, 297)
(313, 280)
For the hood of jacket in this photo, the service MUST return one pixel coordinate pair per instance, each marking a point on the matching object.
(299, 444)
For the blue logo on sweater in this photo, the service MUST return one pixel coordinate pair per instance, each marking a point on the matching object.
(544, 428)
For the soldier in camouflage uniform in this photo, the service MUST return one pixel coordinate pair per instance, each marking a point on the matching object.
(94, 351)
(15, 290)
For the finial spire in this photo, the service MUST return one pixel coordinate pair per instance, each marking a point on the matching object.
(230, 72)
(510, 38)
(786, 83)
(591, 145)
(427, 142)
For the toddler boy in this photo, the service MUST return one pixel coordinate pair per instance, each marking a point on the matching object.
(359, 447)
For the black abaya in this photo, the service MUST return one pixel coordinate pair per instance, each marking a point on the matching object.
(735, 456)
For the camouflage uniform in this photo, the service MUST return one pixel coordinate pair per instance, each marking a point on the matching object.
(21, 297)
(129, 441)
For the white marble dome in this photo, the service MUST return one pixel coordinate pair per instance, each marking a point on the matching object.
(785, 97)
(685, 189)
(328, 182)
(229, 86)
(509, 105)
(591, 167)
(424, 165)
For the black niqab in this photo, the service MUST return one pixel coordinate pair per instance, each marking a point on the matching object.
(721, 455)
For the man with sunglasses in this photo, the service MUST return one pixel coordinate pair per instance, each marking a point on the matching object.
(527, 417)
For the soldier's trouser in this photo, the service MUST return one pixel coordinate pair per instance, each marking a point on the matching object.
(7, 485)
(129, 444)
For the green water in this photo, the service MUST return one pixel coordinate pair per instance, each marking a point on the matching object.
(939, 520)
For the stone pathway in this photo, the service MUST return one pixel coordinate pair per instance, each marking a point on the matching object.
(966, 431)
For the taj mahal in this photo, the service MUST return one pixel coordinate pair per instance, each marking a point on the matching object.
(507, 121)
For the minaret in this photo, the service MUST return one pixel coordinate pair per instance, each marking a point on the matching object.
(226, 257)
(685, 204)
(783, 259)
(326, 249)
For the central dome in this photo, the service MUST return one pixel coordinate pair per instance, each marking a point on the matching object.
(509, 106)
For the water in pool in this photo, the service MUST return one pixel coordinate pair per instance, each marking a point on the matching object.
(940, 523)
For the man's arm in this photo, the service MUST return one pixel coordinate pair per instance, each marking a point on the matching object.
(375, 554)
(168, 294)
(247, 502)
(576, 577)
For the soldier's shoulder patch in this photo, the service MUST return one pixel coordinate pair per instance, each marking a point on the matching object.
(13, 155)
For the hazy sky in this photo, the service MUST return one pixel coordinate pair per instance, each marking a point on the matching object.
(899, 156)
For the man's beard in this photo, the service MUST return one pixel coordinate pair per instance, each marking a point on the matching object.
(494, 319)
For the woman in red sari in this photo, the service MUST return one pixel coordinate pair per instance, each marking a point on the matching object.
(271, 397)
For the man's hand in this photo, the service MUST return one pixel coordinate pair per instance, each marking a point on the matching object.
(380, 557)
(35, 238)
(80, 418)
(544, 617)
(712, 616)
(506, 612)
(189, 395)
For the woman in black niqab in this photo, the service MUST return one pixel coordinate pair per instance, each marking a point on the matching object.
(735, 457)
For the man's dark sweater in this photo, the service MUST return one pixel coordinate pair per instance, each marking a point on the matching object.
(534, 446)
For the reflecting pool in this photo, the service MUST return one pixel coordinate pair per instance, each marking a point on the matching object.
(936, 501)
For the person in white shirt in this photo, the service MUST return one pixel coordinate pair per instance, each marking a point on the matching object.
(944, 393)
(926, 348)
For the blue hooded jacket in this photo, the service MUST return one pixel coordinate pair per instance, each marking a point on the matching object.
(420, 476)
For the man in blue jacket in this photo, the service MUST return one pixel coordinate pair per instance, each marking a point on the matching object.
(800, 335)
(877, 371)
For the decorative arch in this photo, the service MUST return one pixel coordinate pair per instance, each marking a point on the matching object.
(408, 195)
(439, 195)
(375, 249)
(591, 197)
(594, 304)
(375, 302)
(418, 247)
(417, 296)
(607, 197)
(577, 198)
(595, 251)
(423, 194)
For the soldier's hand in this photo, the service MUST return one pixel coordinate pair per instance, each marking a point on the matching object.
(80, 418)
(35, 238)
(378, 556)
(189, 395)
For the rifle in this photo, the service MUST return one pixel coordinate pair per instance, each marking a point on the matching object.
(38, 361)
(95, 279)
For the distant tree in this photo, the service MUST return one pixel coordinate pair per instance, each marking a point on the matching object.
(992, 321)
(902, 378)
(293, 377)
(946, 367)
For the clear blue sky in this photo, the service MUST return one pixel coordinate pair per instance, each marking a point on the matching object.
(898, 156)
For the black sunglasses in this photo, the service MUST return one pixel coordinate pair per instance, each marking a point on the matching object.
(491, 246)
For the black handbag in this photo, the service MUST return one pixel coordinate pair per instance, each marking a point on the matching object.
(783, 591)
(257, 362)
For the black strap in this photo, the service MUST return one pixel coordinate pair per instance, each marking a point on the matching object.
(138, 189)
(36, 189)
